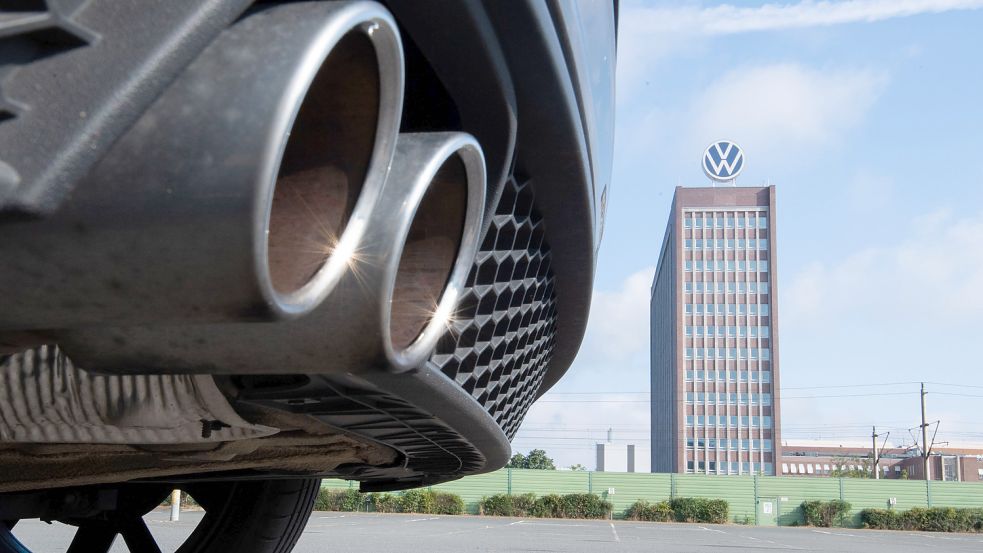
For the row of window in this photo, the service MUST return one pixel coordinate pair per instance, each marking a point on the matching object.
(729, 353)
(750, 221)
(729, 331)
(729, 398)
(729, 376)
(726, 265)
(731, 287)
(722, 420)
(730, 467)
(808, 468)
(729, 444)
(727, 309)
(728, 243)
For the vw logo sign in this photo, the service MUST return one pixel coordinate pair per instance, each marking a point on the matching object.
(723, 160)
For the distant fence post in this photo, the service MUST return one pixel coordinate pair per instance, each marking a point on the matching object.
(672, 485)
(928, 492)
(509, 489)
(756, 499)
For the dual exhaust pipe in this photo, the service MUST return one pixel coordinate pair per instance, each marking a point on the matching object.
(263, 216)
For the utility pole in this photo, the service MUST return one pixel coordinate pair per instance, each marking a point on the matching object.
(878, 453)
(873, 451)
(925, 447)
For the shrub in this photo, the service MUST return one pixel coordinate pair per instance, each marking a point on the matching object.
(385, 503)
(338, 500)
(881, 519)
(448, 504)
(548, 506)
(507, 505)
(585, 505)
(825, 513)
(698, 509)
(417, 501)
(934, 519)
(649, 512)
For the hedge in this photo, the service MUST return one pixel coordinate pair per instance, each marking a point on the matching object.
(825, 513)
(698, 509)
(650, 512)
(574, 505)
(683, 509)
(412, 501)
(933, 519)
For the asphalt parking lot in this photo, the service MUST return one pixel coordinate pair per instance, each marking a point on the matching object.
(357, 532)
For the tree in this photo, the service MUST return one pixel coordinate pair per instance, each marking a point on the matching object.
(861, 467)
(578, 467)
(537, 459)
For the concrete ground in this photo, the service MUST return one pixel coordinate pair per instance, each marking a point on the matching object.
(363, 533)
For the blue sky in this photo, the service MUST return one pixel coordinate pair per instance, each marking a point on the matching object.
(868, 117)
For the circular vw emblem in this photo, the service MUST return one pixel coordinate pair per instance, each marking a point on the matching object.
(723, 160)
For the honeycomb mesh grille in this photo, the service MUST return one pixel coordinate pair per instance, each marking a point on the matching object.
(502, 339)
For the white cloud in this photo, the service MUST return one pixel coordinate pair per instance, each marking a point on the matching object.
(648, 35)
(619, 321)
(775, 109)
(731, 19)
(934, 274)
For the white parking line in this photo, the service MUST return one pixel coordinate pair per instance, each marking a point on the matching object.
(423, 519)
(712, 530)
(615, 532)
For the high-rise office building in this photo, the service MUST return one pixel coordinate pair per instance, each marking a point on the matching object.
(714, 332)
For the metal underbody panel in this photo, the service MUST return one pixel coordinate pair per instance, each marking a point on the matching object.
(519, 78)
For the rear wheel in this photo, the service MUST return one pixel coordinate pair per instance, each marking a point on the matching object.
(241, 516)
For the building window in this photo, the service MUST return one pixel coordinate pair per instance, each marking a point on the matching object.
(766, 376)
(689, 375)
(765, 399)
(687, 222)
(689, 420)
(730, 222)
(762, 287)
(762, 266)
(765, 310)
(740, 243)
(688, 287)
(765, 354)
(689, 353)
(689, 443)
(730, 243)
(762, 221)
(687, 244)
(731, 331)
(699, 309)
(688, 309)
(764, 331)
(740, 222)
(688, 265)
(741, 310)
(699, 222)
(689, 466)
(689, 397)
(766, 421)
(720, 243)
(751, 243)
(689, 331)
(730, 266)
(762, 243)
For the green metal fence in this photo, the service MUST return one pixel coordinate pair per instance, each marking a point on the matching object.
(747, 495)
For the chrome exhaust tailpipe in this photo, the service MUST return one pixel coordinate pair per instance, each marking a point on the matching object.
(387, 311)
(229, 198)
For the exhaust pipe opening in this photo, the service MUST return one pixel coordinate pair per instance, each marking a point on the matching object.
(324, 164)
(429, 254)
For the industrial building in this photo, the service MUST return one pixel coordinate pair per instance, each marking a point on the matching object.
(714, 335)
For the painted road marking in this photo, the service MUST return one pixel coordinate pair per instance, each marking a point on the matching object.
(712, 530)
(423, 519)
(615, 532)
